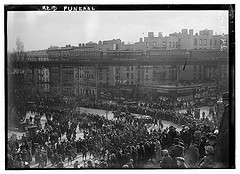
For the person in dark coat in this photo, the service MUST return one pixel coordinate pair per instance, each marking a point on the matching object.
(166, 161)
(181, 162)
(176, 151)
(208, 160)
(60, 164)
(202, 145)
(76, 164)
(192, 155)
(221, 156)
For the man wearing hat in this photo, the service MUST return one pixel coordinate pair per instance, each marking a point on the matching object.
(208, 160)
(76, 164)
(212, 139)
(181, 162)
(158, 151)
(222, 147)
(192, 155)
(166, 160)
(176, 151)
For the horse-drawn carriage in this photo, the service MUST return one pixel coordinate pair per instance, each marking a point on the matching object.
(142, 118)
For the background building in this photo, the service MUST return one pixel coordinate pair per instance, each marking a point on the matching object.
(41, 75)
(112, 68)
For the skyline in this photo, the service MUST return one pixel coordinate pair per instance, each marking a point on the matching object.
(39, 30)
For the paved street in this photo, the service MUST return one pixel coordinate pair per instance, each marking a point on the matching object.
(109, 115)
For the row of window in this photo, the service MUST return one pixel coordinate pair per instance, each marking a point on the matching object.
(200, 68)
(85, 76)
(210, 53)
(207, 58)
(43, 79)
(77, 50)
(204, 42)
(58, 54)
(85, 67)
(151, 53)
(84, 91)
(127, 75)
(128, 67)
(129, 83)
(37, 59)
(74, 54)
(171, 44)
(43, 72)
(124, 54)
(86, 54)
(167, 53)
(44, 87)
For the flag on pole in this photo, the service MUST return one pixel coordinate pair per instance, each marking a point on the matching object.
(184, 66)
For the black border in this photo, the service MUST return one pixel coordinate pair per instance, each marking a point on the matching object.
(120, 7)
(136, 7)
(232, 57)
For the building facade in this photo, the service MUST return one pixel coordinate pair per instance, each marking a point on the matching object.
(205, 39)
(112, 67)
(41, 75)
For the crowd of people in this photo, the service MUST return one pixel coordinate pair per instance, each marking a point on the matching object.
(158, 111)
(117, 143)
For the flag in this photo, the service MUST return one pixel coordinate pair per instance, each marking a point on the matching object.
(184, 66)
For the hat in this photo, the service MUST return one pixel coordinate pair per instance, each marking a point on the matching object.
(165, 151)
(181, 143)
(96, 162)
(175, 140)
(225, 96)
(212, 138)
(210, 149)
(180, 159)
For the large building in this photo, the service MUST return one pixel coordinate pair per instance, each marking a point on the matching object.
(85, 82)
(202, 40)
(155, 63)
(185, 39)
(41, 75)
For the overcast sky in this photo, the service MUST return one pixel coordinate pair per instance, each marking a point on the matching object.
(39, 30)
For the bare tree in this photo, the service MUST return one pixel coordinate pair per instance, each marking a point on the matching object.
(18, 53)
(20, 49)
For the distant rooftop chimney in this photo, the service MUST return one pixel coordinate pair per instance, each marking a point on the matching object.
(191, 32)
(150, 34)
(184, 31)
(159, 34)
